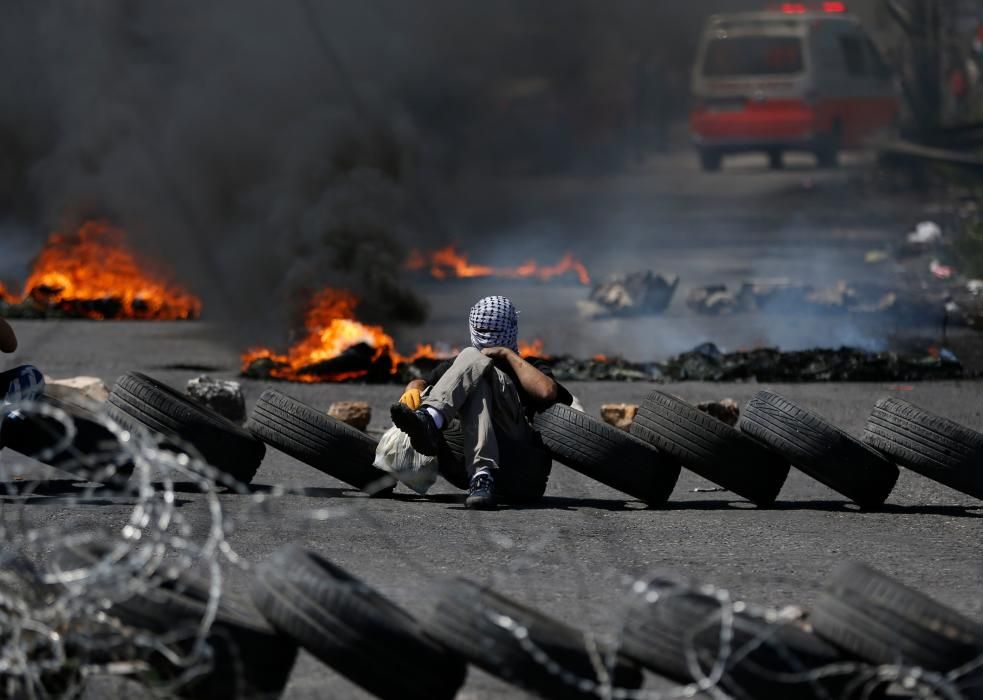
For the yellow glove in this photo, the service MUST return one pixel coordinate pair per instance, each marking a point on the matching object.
(411, 398)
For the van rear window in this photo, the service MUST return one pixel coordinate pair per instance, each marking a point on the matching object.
(753, 55)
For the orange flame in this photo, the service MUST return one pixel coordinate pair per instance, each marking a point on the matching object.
(331, 330)
(450, 262)
(93, 264)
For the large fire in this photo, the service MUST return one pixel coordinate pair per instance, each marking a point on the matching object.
(332, 331)
(92, 274)
(449, 262)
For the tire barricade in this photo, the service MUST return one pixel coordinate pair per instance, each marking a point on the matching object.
(751, 460)
(868, 635)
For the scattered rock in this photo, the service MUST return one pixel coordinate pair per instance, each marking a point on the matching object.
(927, 233)
(725, 410)
(357, 414)
(77, 389)
(222, 396)
(713, 300)
(620, 415)
(634, 294)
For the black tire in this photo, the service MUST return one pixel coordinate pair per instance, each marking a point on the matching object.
(139, 399)
(933, 446)
(766, 660)
(821, 450)
(609, 455)
(775, 161)
(468, 618)
(710, 160)
(250, 659)
(94, 452)
(353, 629)
(880, 620)
(319, 440)
(522, 477)
(710, 448)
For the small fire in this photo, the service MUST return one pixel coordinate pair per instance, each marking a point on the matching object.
(449, 262)
(332, 329)
(92, 273)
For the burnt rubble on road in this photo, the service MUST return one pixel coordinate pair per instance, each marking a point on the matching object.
(45, 304)
(704, 363)
(787, 296)
(634, 294)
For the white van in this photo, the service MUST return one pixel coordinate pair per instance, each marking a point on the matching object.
(797, 77)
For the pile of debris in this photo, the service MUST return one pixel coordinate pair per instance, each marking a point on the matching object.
(46, 303)
(634, 294)
(787, 296)
(704, 363)
(707, 363)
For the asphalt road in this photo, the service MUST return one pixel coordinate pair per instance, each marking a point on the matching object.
(575, 554)
(572, 556)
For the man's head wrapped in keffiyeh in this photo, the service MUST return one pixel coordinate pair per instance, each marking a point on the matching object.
(494, 323)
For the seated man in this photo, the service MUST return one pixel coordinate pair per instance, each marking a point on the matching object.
(20, 383)
(489, 388)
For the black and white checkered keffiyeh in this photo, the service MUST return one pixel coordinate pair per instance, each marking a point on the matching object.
(498, 322)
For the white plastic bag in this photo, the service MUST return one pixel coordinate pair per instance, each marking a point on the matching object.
(395, 455)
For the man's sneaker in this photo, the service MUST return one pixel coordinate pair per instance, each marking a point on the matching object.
(419, 425)
(481, 493)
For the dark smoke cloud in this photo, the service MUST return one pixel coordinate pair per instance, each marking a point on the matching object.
(221, 138)
(265, 149)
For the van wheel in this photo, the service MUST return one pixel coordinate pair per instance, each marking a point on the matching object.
(710, 160)
(828, 148)
(775, 161)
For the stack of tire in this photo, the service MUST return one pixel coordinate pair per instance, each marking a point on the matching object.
(751, 460)
(866, 632)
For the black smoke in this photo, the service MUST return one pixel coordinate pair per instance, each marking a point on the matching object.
(266, 149)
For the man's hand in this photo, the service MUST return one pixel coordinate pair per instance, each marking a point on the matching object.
(541, 388)
(412, 394)
(411, 398)
(497, 353)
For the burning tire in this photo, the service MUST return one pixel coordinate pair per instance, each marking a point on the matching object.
(763, 659)
(248, 658)
(522, 477)
(933, 446)
(883, 621)
(353, 629)
(93, 452)
(521, 645)
(609, 455)
(139, 399)
(821, 450)
(710, 447)
(318, 440)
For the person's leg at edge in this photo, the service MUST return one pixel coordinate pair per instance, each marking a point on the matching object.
(21, 384)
